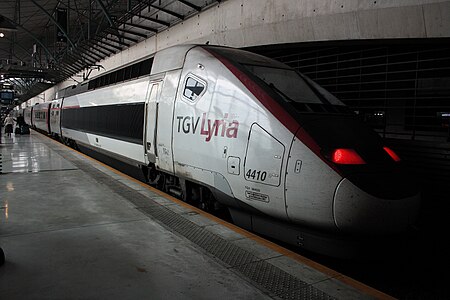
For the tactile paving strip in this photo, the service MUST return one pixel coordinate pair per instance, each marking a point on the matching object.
(265, 275)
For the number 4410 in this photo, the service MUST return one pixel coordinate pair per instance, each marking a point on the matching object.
(256, 175)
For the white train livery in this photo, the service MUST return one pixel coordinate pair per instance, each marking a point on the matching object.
(222, 127)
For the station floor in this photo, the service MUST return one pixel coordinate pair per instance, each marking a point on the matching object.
(74, 228)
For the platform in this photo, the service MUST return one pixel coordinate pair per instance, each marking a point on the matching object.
(74, 228)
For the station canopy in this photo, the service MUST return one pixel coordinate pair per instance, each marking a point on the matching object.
(44, 42)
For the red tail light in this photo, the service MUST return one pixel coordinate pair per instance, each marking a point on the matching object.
(346, 157)
(391, 153)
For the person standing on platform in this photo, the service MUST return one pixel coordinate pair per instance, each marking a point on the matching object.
(20, 121)
(9, 124)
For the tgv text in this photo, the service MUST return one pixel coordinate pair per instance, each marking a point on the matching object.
(209, 128)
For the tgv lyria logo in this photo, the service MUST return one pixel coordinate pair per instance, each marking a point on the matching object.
(208, 128)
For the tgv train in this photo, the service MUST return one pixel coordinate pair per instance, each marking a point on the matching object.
(222, 127)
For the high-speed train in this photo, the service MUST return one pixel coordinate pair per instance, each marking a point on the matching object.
(222, 127)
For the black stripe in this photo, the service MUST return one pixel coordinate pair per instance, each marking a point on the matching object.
(120, 121)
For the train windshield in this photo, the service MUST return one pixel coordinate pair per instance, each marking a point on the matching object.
(292, 86)
(298, 90)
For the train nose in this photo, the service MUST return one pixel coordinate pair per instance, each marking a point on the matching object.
(383, 209)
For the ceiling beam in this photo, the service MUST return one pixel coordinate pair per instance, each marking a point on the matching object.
(90, 59)
(20, 46)
(169, 12)
(66, 72)
(72, 60)
(37, 40)
(121, 36)
(132, 32)
(61, 70)
(106, 43)
(78, 57)
(72, 67)
(18, 83)
(92, 49)
(141, 27)
(105, 12)
(191, 5)
(118, 42)
(55, 22)
(164, 23)
(88, 53)
(92, 53)
(91, 43)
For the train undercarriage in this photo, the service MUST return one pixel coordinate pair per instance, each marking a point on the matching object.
(188, 191)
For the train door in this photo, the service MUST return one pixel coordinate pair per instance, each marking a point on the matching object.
(159, 120)
(151, 122)
(55, 111)
(52, 117)
(47, 117)
(263, 170)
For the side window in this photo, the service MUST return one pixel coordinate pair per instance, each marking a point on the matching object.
(193, 88)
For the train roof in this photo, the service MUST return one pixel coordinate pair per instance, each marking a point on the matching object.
(164, 60)
(175, 53)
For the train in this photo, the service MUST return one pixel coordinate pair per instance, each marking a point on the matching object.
(224, 128)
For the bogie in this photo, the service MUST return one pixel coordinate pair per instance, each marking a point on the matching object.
(188, 191)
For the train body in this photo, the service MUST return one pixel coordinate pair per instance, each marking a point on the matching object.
(27, 115)
(41, 116)
(222, 127)
(55, 118)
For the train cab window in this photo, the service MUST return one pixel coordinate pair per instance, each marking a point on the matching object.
(193, 88)
(286, 82)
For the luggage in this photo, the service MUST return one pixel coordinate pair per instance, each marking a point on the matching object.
(17, 130)
(25, 129)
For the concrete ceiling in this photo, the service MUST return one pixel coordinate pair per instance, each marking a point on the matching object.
(43, 42)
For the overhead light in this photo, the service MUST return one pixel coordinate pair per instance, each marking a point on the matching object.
(2, 34)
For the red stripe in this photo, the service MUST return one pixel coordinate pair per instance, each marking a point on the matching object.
(270, 104)
(70, 107)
